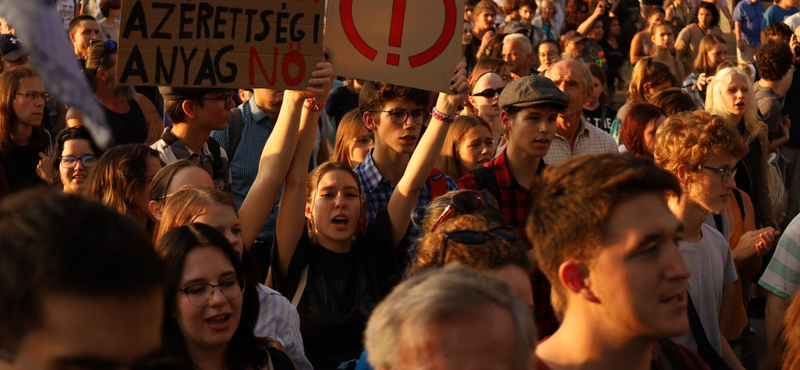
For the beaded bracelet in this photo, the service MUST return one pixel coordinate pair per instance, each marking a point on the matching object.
(313, 105)
(441, 116)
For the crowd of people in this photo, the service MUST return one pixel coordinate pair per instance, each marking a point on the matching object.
(523, 220)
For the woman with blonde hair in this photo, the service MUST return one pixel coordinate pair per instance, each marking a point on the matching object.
(732, 97)
(483, 99)
(353, 140)
(468, 145)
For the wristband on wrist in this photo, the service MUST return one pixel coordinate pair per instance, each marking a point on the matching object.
(313, 105)
(441, 116)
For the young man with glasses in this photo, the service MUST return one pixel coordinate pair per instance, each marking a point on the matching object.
(69, 300)
(606, 239)
(132, 116)
(195, 112)
(396, 115)
(702, 152)
(531, 106)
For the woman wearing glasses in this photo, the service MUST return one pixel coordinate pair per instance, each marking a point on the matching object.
(211, 307)
(485, 89)
(732, 97)
(23, 142)
(74, 156)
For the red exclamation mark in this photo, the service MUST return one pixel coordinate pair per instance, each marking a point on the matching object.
(396, 30)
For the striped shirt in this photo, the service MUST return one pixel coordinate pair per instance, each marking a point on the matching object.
(588, 140)
(782, 276)
(278, 319)
(256, 128)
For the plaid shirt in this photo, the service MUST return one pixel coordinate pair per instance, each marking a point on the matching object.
(588, 140)
(378, 190)
(515, 205)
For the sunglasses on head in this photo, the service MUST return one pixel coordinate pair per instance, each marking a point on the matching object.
(472, 237)
(489, 93)
(466, 202)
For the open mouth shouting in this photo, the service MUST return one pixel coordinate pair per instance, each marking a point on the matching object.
(219, 322)
(340, 222)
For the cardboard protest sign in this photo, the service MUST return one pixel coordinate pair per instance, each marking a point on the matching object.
(415, 43)
(244, 43)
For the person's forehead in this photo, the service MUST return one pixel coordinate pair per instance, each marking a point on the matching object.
(566, 70)
(636, 218)
(88, 25)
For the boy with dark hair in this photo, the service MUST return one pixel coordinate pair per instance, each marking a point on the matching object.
(195, 112)
(82, 285)
(702, 152)
(395, 114)
(606, 240)
(531, 106)
(774, 64)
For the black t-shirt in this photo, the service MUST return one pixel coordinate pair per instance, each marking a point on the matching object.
(342, 290)
(614, 57)
(20, 166)
(601, 117)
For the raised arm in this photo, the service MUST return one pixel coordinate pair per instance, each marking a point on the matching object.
(425, 155)
(291, 216)
(274, 163)
(599, 11)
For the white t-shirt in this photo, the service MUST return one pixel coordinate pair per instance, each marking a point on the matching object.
(712, 268)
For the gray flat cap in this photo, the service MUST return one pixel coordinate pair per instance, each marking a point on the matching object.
(530, 91)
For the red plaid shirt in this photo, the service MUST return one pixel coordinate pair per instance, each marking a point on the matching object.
(515, 204)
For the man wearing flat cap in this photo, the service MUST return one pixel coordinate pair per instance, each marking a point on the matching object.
(195, 112)
(531, 106)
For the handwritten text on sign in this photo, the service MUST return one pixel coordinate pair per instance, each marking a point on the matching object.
(415, 43)
(246, 43)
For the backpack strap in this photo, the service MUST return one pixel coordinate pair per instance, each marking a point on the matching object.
(484, 178)
(437, 183)
(704, 347)
(301, 287)
(737, 194)
(235, 125)
(216, 151)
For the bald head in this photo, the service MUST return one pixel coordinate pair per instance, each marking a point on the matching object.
(575, 79)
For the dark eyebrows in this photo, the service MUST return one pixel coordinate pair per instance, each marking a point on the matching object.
(223, 275)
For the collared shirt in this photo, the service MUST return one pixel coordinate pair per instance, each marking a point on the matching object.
(750, 15)
(515, 205)
(170, 149)
(278, 319)
(256, 128)
(379, 189)
(588, 140)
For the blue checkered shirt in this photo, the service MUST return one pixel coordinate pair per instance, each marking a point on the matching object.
(378, 190)
(256, 128)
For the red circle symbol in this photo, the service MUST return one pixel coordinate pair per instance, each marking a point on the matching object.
(448, 29)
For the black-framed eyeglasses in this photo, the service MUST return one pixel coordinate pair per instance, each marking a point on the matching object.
(489, 93)
(475, 237)
(202, 294)
(69, 161)
(33, 95)
(725, 172)
(108, 45)
(466, 202)
(157, 361)
(228, 96)
(400, 116)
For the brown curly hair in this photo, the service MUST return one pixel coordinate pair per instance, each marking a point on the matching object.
(773, 60)
(493, 253)
(687, 139)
